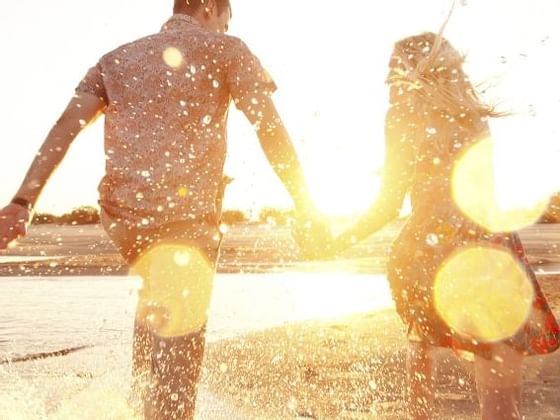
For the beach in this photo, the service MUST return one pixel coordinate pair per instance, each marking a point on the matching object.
(286, 338)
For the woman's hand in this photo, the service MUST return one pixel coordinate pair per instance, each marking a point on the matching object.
(313, 237)
(13, 224)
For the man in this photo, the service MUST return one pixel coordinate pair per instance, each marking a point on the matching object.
(165, 98)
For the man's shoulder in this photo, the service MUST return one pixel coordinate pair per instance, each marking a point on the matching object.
(217, 42)
(144, 42)
(224, 40)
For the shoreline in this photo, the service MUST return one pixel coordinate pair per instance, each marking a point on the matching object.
(247, 248)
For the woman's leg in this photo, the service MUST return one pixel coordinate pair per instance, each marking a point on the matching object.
(498, 383)
(421, 382)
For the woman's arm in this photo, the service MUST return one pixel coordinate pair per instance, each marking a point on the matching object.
(397, 178)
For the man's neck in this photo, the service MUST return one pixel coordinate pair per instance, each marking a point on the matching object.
(197, 16)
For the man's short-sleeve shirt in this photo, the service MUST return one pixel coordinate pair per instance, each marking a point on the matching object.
(167, 98)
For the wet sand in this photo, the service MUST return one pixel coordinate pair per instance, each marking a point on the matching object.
(354, 368)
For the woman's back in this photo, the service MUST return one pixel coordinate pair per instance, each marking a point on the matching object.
(439, 141)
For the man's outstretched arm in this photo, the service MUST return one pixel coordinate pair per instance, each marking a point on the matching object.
(278, 148)
(82, 110)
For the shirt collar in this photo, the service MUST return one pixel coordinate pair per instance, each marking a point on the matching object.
(179, 20)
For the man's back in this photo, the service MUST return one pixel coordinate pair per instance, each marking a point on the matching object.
(167, 98)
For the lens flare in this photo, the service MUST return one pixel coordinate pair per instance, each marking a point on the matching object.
(173, 57)
(483, 294)
(477, 194)
(183, 192)
(176, 290)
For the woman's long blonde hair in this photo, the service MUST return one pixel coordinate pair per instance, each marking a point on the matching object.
(429, 70)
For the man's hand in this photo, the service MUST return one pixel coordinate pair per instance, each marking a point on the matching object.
(13, 224)
(313, 237)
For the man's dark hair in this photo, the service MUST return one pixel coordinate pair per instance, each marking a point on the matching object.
(190, 7)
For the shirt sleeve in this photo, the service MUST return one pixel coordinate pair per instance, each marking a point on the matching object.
(93, 83)
(246, 75)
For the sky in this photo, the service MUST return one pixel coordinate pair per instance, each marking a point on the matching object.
(329, 59)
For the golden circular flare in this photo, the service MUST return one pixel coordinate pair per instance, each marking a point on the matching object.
(475, 193)
(176, 291)
(173, 57)
(483, 294)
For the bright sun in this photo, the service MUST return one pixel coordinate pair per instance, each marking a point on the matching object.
(340, 188)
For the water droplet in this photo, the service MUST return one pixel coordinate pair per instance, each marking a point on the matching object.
(207, 119)
(431, 131)
(182, 258)
(432, 239)
(292, 403)
(215, 84)
(183, 192)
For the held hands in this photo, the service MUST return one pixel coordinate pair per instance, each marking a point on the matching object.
(313, 237)
(13, 224)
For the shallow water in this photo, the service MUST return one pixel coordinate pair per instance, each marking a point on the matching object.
(50, 314)
(47, 314)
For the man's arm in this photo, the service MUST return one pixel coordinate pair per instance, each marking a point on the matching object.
(82, 110)
(278, 148)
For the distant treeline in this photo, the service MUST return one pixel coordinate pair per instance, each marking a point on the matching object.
(87, 215)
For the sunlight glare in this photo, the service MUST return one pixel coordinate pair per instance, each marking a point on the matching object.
(340, 192)
(483, 192)
(323, 296)
(483, 294)
(177, 288)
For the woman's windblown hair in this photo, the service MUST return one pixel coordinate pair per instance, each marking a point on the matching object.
(427, 69)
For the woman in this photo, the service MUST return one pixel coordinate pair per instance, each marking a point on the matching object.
(433, 118)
